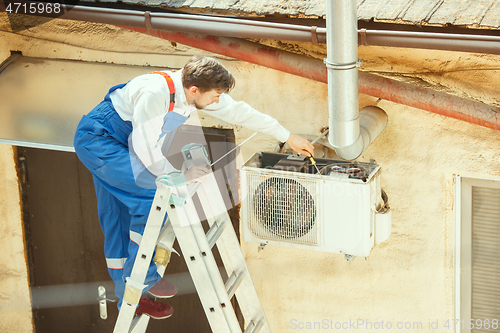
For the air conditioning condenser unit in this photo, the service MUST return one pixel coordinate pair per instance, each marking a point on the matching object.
(337, 207)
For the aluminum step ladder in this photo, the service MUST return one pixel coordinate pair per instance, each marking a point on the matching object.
(174, 197)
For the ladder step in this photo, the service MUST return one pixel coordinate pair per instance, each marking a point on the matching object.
(214, 233)
(233, 283)
(232, 256)
(184, 224)
(252, 328)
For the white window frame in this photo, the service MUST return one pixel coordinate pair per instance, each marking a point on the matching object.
(462, 239)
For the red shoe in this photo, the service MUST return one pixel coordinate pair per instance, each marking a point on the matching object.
(154, 309)
(163, 289)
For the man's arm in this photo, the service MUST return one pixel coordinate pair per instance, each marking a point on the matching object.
(301, 145)
(240, 113)
(149, 109)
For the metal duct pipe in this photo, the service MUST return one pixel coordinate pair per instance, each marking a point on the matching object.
(373, 121)
(342, 72)
(342, 67)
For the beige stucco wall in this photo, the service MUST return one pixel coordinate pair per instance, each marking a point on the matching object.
(408, 278)
(15, 303)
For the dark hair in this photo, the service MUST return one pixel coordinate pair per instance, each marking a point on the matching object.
(207, 73)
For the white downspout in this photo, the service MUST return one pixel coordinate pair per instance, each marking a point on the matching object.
(347, 135)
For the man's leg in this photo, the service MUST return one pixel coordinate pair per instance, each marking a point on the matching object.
(122, 234)
(108, 160)
(114, 224)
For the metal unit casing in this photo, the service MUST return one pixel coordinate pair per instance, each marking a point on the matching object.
(330, 213)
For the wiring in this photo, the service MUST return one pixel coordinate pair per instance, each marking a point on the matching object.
(346, 170)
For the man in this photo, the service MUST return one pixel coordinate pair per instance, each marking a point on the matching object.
(120, 142)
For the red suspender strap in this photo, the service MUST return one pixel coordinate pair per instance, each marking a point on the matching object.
(171, 87)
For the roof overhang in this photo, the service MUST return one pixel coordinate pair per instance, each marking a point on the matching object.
(44, 99)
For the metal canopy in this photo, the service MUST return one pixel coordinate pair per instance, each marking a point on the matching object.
(42, 100)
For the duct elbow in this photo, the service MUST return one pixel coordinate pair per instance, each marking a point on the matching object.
(372, 121)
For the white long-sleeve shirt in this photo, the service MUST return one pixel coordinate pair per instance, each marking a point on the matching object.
(145, 100)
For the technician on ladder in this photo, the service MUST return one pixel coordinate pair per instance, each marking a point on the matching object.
(120, 142)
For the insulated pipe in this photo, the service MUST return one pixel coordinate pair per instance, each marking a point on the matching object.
(391, 90)
(369, 84)
(430, 100)
(241, 28)
(247, 51)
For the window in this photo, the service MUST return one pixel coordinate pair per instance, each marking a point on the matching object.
(477, 255)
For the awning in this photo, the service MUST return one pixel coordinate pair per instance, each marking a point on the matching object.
(42, 100)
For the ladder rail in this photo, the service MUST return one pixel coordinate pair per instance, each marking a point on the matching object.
(184, 224)
(201, 263)
(166, 240)
(231, 253)
(135, 283)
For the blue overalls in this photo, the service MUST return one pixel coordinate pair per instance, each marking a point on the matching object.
(101, 143)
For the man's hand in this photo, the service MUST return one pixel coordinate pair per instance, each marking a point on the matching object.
(197, 174)
(301, 145)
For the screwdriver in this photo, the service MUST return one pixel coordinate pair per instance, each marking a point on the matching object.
(313, 162)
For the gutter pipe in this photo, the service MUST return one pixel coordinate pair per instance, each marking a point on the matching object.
(197, 24)
(430, 41)
(241, 28)
(372, 85)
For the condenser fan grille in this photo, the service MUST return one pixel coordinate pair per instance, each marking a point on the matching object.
(283, 209)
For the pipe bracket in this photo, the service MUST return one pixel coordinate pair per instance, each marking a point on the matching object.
(314, 34)
(351, 65)
(147, 16)
(362, 34)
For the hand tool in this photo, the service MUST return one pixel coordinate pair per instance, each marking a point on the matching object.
(229, 152)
